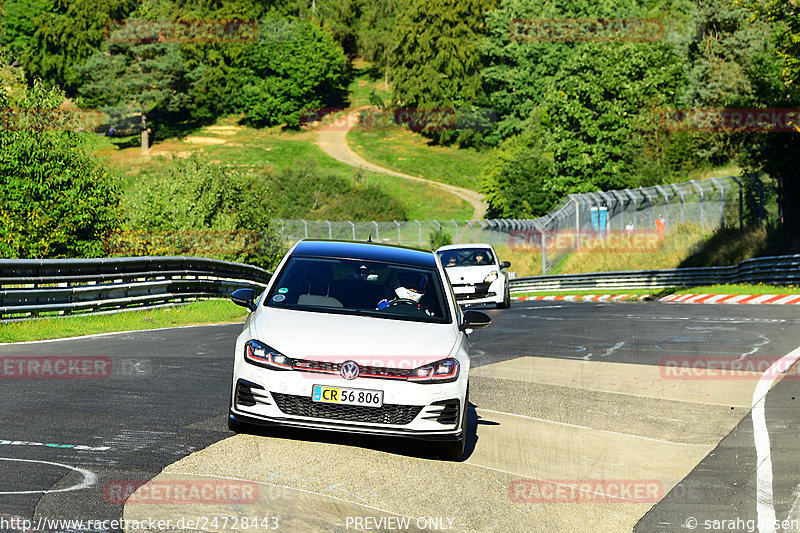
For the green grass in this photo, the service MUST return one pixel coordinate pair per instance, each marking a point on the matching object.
(366, 80)
(204, 312)
(400, 149)
(258, 151)
(742, 289)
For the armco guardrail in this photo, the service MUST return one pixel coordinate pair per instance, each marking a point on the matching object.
(32, 287)
(780, 270)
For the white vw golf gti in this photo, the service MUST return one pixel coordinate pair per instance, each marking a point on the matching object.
(356, 337)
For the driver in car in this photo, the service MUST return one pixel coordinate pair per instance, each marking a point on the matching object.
(408, 290)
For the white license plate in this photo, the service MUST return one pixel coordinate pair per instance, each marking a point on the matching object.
(341, 395)
(469, 289)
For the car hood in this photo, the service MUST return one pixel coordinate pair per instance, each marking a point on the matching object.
(469, 274)
(305, 334)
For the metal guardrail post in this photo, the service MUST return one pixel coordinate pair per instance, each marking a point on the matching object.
(419, 224)
(377, 231)
(455, 235)
(471, 238)
(399, 237)
(353, 227)
(330, 229)
(305, 224)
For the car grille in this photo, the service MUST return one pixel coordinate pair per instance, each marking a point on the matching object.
(305, 365)
(476, 296)
(388, 414)
(481, 291)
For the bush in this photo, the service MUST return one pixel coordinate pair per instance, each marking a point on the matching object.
(200, 208)
(439, 238)
(56, 200)
(305, 192)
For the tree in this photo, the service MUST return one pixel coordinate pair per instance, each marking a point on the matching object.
(140, 77)
(51, 38)
(377, 39)
(436, 63)
(779, 153)
(56, 200)
(517, 182)
(286, 76)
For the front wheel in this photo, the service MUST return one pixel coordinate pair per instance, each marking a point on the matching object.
(454, 450)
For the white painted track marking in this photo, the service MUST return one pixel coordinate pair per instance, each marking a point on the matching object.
(764, 503)
(566, 424)
(89, 478)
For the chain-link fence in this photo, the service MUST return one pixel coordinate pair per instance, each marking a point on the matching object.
(628, 217)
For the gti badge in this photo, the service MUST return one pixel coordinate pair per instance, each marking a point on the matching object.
(349, 370)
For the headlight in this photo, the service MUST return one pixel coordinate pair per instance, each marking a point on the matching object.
(260, 354)
(491, 277)
(442, 371)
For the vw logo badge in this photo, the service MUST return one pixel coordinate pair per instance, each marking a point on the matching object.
(349, 370)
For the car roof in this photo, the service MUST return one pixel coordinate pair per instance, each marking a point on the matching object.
(387, 253)
(466, 246)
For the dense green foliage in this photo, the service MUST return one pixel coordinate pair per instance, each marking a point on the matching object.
(55, 199)
(197, 207)
(51, 38)
(436, 64)
(307, 192)
(569, 115)
(598, 107)
(285, 76)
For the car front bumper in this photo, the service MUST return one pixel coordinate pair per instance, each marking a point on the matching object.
(483, 293)
(273, 397)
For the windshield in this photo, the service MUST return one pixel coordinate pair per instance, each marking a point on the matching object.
(348, 286)
(467, 257)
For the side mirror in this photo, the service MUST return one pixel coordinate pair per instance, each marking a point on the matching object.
(245, 298)
(474, 320)
(505, 264)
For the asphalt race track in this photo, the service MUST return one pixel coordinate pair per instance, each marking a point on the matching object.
(582, 419)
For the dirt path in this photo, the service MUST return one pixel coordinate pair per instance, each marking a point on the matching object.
(332, 139)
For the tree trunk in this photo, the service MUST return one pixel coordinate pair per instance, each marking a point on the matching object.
(145, 139)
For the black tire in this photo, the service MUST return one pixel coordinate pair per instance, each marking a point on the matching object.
(454, 449)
